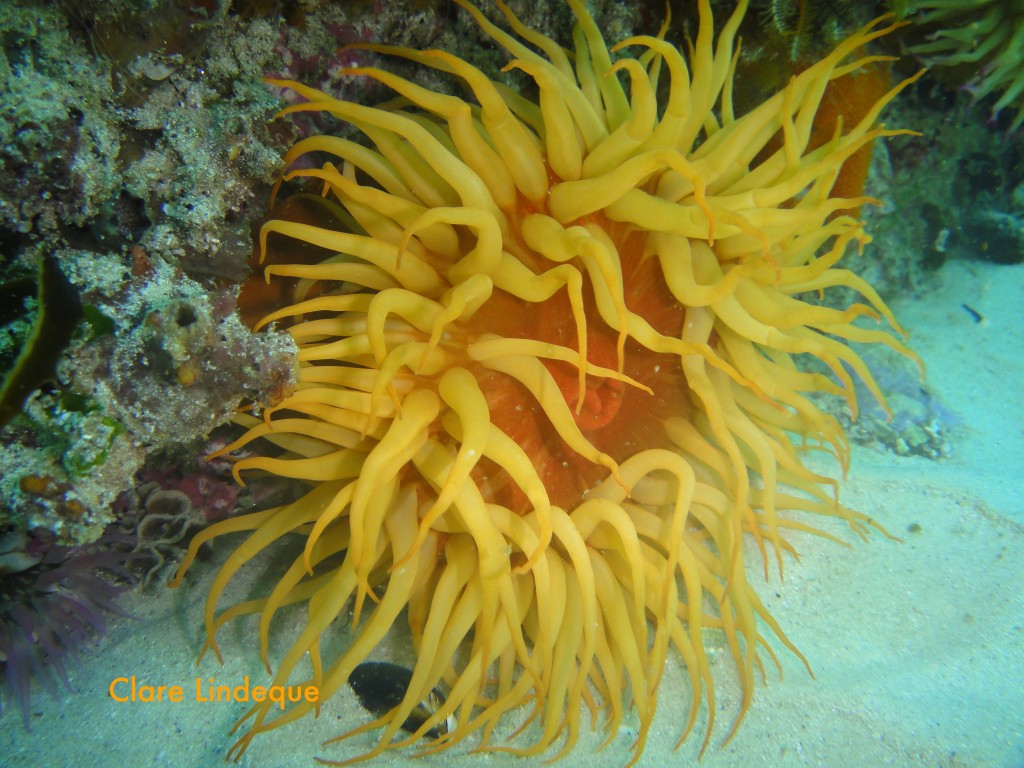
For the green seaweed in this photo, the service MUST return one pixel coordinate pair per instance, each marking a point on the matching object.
(58, 313)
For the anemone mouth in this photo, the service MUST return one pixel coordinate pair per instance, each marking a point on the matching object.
(619, 416)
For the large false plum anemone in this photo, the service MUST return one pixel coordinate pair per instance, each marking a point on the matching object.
(53, 601)
(985, 38)
(550, 380)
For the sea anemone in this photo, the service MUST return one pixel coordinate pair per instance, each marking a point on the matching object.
(549, 380)
(986, 36)
(52, 604)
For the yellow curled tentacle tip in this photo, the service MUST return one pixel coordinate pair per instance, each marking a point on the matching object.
(417, 544)
(287, 82)
(704, 743)
(532, 560)
(400, 562)
(860, 310)
(273, 199)
(218, 453)
(278, 81)
(618, 66)
(899, 23)
(625, 43)
(365, 45)
(238, 748)
(921, 369)
(325, 761)
(903, 132)
(211, 645)
(251, 733)
(395, 400)
(527, 566)
(613, 467)
(620, 354)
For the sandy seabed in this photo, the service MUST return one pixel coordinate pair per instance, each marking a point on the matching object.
(917, 647)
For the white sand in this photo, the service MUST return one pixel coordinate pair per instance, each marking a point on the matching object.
(917, 648)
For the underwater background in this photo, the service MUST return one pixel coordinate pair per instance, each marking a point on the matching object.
(137, 153)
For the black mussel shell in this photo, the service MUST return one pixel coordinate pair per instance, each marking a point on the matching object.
(381, 686)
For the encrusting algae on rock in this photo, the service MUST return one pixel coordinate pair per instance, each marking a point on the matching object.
(548, 381)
